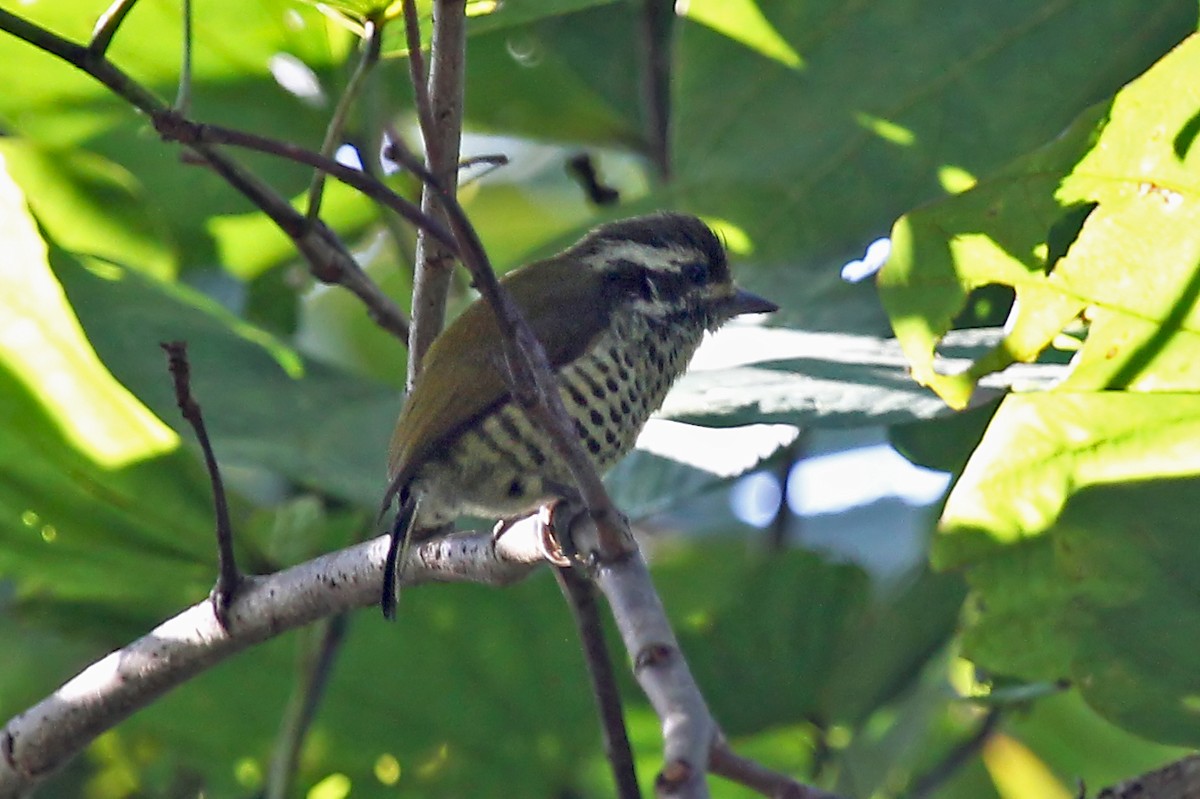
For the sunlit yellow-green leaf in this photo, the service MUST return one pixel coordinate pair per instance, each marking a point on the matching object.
(42, 342)
(91, 205)
(743, 21)
(1018, 773)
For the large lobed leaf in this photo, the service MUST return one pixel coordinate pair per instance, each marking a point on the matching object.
(1074, 517)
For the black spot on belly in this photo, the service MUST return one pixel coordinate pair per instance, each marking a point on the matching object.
(516, 488)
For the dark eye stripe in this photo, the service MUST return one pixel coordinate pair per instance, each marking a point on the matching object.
(631, 278)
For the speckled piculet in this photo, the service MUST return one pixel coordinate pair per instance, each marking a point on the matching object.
(620, 314)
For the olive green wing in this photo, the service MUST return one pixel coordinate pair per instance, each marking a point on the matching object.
(462, 378)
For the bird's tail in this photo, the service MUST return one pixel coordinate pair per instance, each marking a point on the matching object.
(402, 530)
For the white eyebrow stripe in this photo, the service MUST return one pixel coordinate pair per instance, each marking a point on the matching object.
(666, 259)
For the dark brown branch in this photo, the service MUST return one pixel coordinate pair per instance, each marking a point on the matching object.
(417, 74)
(1178, 780)
(956, 758)
(107, 25)
(175, 128)
(228, 576)
(581, 598)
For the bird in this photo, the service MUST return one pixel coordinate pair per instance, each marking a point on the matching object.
(620, 314)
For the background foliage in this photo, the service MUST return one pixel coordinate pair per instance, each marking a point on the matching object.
(805, 130)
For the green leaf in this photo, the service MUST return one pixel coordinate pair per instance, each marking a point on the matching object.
(1072, 520)
(1116, 188)
(805, 658)
(1080, 745)
(1107, 600)
(1040, 448)
(813, 163)
(569, 78)
(994, 233)
(264, 405)
(91, 205)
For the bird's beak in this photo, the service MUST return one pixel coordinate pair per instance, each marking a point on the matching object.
(744, 302)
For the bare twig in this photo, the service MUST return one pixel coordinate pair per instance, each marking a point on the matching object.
(583, 169)
(440, 112)
(956, 758)
(315, 668)
(581, 598)
(417, 75)
(724, 762)
(333, 132)
(107, 25)
(43, 738)
(228, 576)
(175, 128)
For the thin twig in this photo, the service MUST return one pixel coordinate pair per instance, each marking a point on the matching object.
(107, 25)
(583, 169)
(175, 128)
(316, 667)
(228, 576)
(417, 74)
(183, 100)
(726, 763)
(581, 598)
(333, 132)
(956, 758)
(655, 23)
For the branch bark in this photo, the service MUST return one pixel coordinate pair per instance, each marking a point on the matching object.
(441, 129)
(34, 744)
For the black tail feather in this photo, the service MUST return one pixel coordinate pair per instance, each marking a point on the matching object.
(401, 530)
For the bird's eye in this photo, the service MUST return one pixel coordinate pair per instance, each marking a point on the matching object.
(695, 272)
